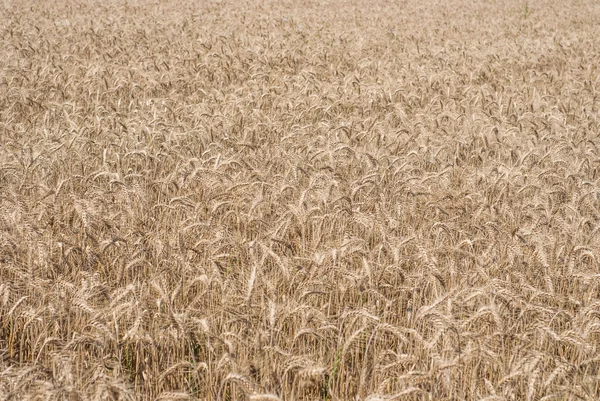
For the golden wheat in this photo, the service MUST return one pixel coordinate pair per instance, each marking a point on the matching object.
(265, 200)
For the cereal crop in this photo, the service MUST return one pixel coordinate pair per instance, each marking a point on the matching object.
(300, 200)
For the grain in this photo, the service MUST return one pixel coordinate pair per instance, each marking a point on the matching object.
(277, 200)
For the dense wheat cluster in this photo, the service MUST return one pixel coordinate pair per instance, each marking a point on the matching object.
(299, 200)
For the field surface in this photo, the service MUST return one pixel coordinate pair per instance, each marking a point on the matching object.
(301, 200)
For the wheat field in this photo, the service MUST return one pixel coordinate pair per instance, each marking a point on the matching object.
(300, 200)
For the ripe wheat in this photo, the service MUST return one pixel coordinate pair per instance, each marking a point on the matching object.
(268, 200)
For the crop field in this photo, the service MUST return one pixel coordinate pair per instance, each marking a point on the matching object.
(300, 200)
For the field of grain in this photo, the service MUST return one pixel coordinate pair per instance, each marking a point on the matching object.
(300, 200)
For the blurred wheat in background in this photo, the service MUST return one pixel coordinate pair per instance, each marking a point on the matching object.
(334, 200)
